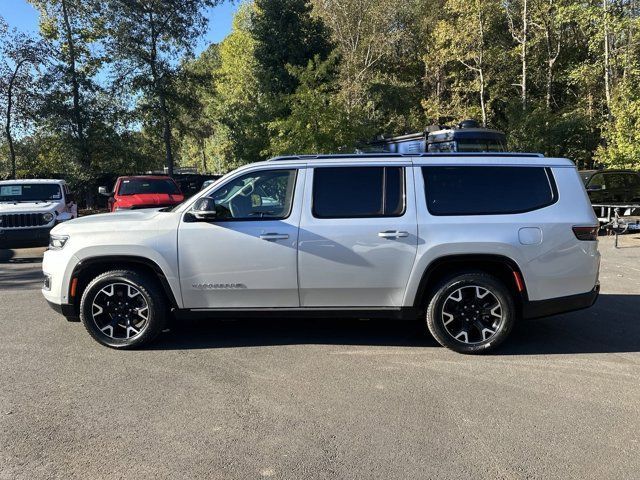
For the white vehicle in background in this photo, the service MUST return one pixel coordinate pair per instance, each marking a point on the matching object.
(29, 209)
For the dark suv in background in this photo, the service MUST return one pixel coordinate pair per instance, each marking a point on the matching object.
(612, 186)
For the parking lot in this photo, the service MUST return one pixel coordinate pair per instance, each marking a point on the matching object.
(316, 398)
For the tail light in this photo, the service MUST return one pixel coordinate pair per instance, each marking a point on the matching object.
(588, 233)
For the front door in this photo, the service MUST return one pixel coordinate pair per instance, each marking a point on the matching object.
(244, 257)
(358, 236)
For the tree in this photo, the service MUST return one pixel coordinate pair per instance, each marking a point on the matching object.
(240, 108)
(145, 39)
(519, 29)
(319, 121)
(71, 28)
(549, 18)
(20, 58)
(464, 35)
(621, 149)
(195, 91)
(285, 33)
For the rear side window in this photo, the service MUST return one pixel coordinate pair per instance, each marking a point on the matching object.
(487, 190)
(355, 192)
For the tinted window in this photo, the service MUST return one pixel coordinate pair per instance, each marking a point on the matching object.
(148, 185)
(265, 194)
(350, 192)
(487, 190)
(597, 179)
(633, 180)
(616, 180)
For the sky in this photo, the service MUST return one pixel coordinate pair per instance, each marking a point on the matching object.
(21, 15)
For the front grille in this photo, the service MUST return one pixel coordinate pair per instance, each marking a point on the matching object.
(21, 220)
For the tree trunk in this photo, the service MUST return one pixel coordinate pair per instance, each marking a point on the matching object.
(166, 133)
(7, 126)
(483, 106)
(549, 85)
(158, 85)
(204, 155)
(607, 72)
(525, 32)
(12, 152)
(85, 159)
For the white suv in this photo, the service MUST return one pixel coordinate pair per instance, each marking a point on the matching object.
(29, 209)
(469, 243)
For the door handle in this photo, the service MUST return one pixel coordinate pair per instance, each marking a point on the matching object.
(274, 236)
(393, 234)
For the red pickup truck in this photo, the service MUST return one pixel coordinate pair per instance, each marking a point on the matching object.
(144, 191)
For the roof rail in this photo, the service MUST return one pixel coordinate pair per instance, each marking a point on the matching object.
(403, 155)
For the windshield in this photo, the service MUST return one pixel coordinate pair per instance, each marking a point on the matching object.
(30, 192)
(148, 185)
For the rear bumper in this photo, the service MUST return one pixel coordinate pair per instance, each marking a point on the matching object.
(24, 237)
(554, 306)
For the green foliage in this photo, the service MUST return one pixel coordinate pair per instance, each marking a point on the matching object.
(285, 34)
(622, 138)
(318, 120)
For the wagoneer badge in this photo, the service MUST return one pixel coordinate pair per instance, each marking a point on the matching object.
(218, 286)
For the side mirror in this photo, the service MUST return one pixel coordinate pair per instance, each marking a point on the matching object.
(204, 210)
(204, 215)
(595, 188)
(104, 191)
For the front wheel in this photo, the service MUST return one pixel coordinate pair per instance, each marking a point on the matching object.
(471, 313)
(123, 309)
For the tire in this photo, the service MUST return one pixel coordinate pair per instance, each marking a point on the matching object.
(123, 309)
(471, 313)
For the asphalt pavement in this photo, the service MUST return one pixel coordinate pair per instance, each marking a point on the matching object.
(321, 398)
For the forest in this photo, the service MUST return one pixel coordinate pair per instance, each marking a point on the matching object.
(115, 86)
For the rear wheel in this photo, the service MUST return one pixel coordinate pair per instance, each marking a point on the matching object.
(471, 313)
(123, 309)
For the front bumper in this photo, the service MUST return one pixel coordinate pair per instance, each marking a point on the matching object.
(66, 310)
(24, 237)
(554, 306)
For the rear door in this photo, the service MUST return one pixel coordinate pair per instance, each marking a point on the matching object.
(358, 236)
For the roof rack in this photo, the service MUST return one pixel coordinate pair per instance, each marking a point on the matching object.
(403, 155)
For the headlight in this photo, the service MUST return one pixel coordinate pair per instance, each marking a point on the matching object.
(47, 217)
(56, 242)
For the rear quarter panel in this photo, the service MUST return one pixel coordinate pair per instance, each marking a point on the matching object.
(559, 265)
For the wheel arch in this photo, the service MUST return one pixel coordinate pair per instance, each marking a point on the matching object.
(88, 268)
(502, 267)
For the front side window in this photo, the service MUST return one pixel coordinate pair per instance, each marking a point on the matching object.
(265, 194)
(356, 192)
(29, 192)
(471, 190)
(616, 180)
